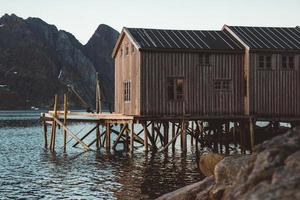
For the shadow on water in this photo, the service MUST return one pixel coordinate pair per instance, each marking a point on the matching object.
(27, 170)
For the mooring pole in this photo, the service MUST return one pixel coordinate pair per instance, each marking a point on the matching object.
(98, 105)
(53, 131)
(65, 120)
(45, 131)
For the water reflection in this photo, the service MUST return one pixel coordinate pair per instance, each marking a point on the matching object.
(27, 170)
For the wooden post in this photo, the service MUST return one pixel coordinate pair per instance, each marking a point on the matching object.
(127, 138)
(166, 133)
(145, 136)
(183, 136)
(45, 131)
(192, 134)
(227, 124)
(173, 135)
(98, 94)
(107, 136)
(98, 110)
(131, 138)
(251, 130)
(53, 131)
(65, 119)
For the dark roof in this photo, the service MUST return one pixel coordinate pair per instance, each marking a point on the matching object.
(277, 38)
(183, 39)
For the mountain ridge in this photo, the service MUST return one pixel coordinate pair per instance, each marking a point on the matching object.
(37, 61)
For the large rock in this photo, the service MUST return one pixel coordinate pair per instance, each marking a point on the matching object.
(208, 161)
(226, 172)
(199, 191)
(273, 172)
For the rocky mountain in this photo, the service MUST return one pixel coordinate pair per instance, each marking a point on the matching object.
(37, 61)
(104, 37)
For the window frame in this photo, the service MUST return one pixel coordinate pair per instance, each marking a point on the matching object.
(174, 88)
(221, 83)
(127, 91)
(266, 64)
(287, 62)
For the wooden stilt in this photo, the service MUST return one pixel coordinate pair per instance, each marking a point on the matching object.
(65, 120)
(107, 136)
(45, 132)
(166, 133)
(122, 131)
(251, 130)
(227, 124)
(53, 131)
(192, 134)
(173, 136)
(98, 110)
(183, 136)
(132, 138)
(87, 134)
(169, 143)
(145, 137)
(70, 133)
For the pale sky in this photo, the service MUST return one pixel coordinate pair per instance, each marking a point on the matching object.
(82, 17)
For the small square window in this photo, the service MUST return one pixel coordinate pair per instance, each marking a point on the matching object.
(217, 85)
(264, 62)
(222, 84)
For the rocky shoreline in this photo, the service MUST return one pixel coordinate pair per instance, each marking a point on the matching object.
(271, 172)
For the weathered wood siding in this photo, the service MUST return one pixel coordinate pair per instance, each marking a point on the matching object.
(276, 92)
(200, 96)
(127, 68)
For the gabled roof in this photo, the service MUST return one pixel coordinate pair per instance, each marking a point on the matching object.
(183, 39)
(268, 38)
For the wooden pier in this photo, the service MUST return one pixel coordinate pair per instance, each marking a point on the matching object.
(218, 134)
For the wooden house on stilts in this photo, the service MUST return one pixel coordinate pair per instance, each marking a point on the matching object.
(212, 86)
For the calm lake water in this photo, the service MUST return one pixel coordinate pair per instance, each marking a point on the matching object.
(28, 171)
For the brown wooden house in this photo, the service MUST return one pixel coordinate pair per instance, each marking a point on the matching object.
(239, 71)
(178, 72)
(272, 70)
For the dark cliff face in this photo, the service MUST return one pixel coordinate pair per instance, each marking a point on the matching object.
(37, 61)
(99, 50)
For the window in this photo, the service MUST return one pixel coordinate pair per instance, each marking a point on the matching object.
(132, 48)
(127, 93)
(204, 59)
(175, 89)
(265, 61)
(222, 84)
(287, 62)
